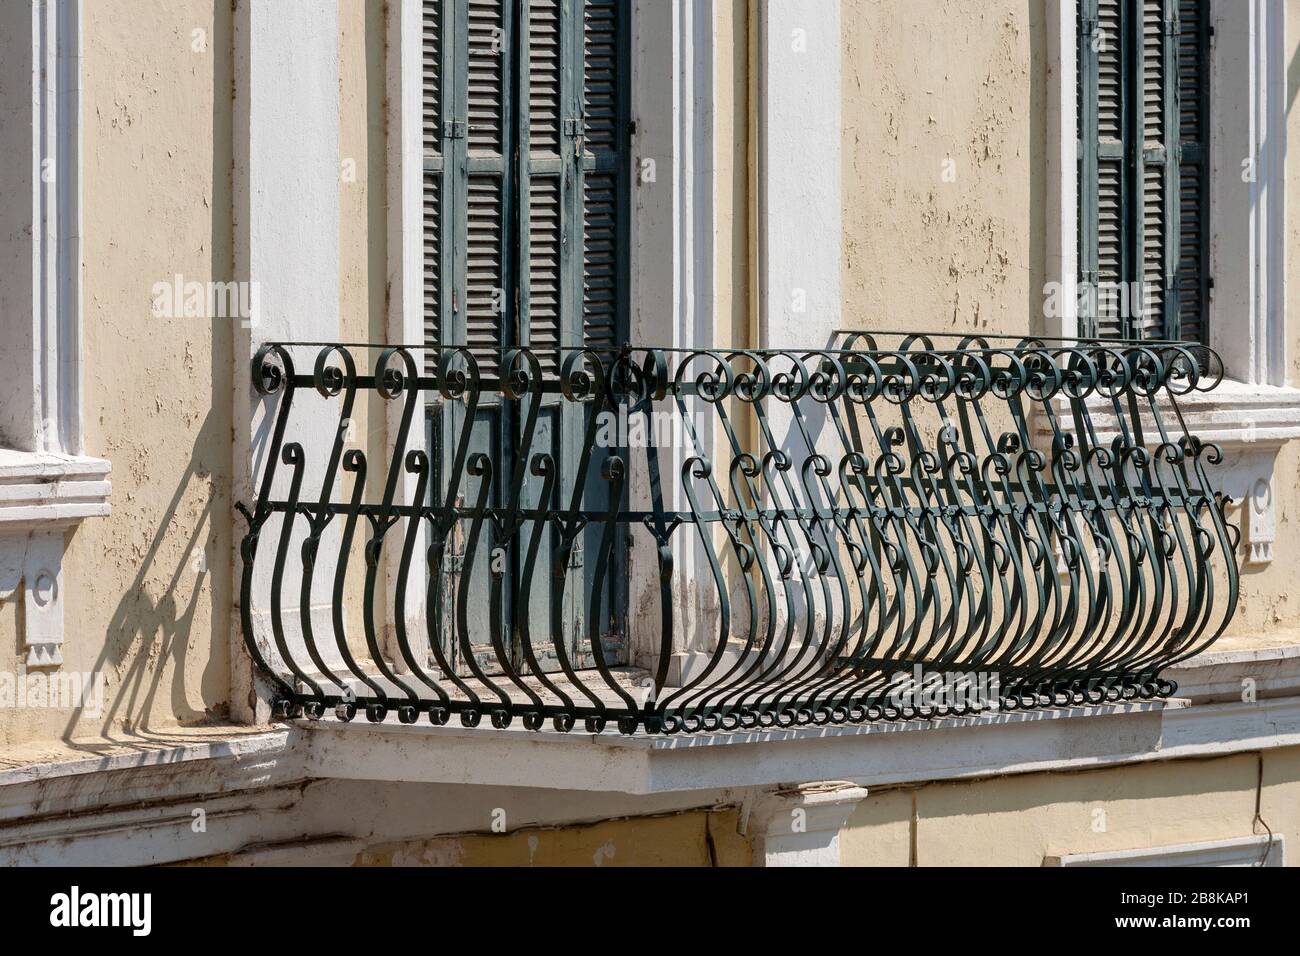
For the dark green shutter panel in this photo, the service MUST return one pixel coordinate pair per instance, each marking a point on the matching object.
(1142, 170)
(433, 49)
(543, 177)
(484, 270)
(544, 279)
(1193, 170)
(544, 96)
(1103, 229)
(605, 172)
(486, 21)
(487, 302)
(1157, 231)
(1112, 227)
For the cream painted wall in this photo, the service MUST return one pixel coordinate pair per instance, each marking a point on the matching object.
(925, 83)
(147, 591)
(1019, 820)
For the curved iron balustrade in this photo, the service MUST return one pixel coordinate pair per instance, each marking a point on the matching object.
(856, 518)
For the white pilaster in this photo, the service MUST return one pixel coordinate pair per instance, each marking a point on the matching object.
(286, 216)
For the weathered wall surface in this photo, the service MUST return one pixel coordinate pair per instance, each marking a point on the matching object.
(1019, 820)
(694, 838)
(943, 163)
(147, 591)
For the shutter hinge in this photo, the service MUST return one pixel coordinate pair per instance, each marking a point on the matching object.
(1088, 26)
(1173, 27)
(453, 129)
(631, 127)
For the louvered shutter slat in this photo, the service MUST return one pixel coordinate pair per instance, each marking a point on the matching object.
(486, 29)
(544, 271)
(544, 96)
(605, 164)
(599, 266)
(484, 296)
(1193, 171)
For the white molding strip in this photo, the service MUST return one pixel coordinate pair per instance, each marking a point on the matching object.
(672, 266)
(1263, 850)
(800, 190)
(286, 215)
(1062, 148)
(46, 484)
(405, 153)
(1248, 245)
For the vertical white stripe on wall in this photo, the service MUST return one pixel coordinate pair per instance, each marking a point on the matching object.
(286, 227)
(799, 201)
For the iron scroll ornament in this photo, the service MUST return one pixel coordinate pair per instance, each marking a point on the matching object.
(802, 528)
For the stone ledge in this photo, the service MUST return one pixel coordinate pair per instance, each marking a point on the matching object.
(44, 491)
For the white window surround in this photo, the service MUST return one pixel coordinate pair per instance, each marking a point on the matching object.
(673, 253)
(1255, 411)
(1263, 850)
(47, 484)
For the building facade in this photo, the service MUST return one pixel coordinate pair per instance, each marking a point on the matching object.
(191, 183)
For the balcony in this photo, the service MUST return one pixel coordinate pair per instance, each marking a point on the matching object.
(667, 542)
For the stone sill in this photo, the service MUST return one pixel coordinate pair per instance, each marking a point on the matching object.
(1232, 414)
(44, 490)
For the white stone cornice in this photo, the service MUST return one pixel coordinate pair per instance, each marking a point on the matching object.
(48, 492)
(42, 495)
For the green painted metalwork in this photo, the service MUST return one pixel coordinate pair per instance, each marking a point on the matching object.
(1030, 511)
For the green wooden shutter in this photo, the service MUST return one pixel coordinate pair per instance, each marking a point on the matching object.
(1155, 231)
(546, 178)
(605, 173)
(1193, 116)
(526, 196)
(1142, 233)
(484, 160)
(1103, 229)
(435, 64)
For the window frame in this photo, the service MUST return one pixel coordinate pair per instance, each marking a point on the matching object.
(671, 221)
(1255, 411)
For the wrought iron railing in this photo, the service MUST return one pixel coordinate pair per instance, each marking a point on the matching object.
(790, 537)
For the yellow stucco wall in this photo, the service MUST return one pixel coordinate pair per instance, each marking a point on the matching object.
(927, 83)
(1020, 820)
(692, 838)
(147, 591)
